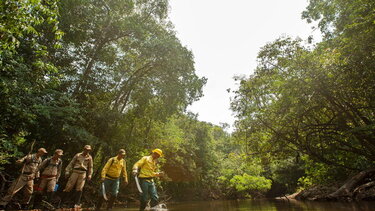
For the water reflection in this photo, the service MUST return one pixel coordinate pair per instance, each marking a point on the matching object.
(266, 205)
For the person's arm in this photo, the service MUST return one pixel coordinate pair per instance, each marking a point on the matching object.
(90, 168)
(124, 173)
(105, 168)
(69, 168)
(138, 165)
(42, 165)
(37, 174)
(59, 171)
(22, 160)
(156, 172)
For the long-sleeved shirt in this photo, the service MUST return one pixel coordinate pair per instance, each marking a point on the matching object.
(81, 162)
(148, 167)
(113, 169)
(51, 167)
(31, 164)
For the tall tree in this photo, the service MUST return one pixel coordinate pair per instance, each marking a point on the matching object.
(316, 101)
(28, 32)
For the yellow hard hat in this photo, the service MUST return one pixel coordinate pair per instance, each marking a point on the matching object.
(158, 151)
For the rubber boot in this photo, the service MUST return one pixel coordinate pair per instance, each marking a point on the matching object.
(111, 202)
(24, 206)
(49, 197)
(99, 204)
(48, 203)
(77, 199)
(142, 206)
(37, 200)
(153, 203)
(64, 198)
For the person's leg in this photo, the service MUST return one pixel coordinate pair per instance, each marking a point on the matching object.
(38, 196)
(114, 188)
(144, 196)
(99, 202)
(28, 191)
(77, 198)
(16, 186)
(68, 188)
(71, 182)
(79, 187)
(101, 197)
(154, 195)
(51, 183)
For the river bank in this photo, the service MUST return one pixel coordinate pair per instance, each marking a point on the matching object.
(360, 187)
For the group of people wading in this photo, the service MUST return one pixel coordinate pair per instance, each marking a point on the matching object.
(46, 174)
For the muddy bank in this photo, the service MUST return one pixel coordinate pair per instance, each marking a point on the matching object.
(360, 187)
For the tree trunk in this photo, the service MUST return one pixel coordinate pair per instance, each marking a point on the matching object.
(348, 187)
(364, 191)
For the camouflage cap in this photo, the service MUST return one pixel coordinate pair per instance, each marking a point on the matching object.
(42, 150)
(59, 152)
(87, 147)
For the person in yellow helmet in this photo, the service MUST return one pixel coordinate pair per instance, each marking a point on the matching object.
(110, 177)
(146, 169)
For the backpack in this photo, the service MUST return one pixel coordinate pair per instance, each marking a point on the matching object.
(113, 160)
(48, 163)
(31, 159)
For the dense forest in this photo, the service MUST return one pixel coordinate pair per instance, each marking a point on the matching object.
(114, 75)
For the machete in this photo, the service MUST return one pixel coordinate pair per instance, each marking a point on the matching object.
(103, 192)
(138, 186)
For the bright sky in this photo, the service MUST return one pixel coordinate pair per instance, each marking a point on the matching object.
(225, 37)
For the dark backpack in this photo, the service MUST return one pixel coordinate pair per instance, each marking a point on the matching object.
(113, 160)
(48, 163)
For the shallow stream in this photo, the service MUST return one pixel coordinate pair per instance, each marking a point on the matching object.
(264, 205)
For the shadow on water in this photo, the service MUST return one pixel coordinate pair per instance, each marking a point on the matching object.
(266, 205)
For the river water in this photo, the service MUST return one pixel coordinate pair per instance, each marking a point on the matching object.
(264, 205)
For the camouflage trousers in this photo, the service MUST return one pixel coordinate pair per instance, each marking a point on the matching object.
(77, 180)
(23, 181)
(47, 184)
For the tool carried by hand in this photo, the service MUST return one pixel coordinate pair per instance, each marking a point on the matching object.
(103, 192)
(137, 183)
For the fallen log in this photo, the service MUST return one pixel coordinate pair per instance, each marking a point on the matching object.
(365, 191)
(346, 190)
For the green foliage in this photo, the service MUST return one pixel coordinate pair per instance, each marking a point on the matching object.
(315, 101)
(242, 177)
(119, 74)
(246, 182)
(120, 78)
(26, 29)
(287, 172)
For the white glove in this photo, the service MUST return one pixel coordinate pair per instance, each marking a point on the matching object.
(135, 172)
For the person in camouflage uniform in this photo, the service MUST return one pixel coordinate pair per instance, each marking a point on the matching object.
(78, 170)
(50, 171)
(26, 180)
